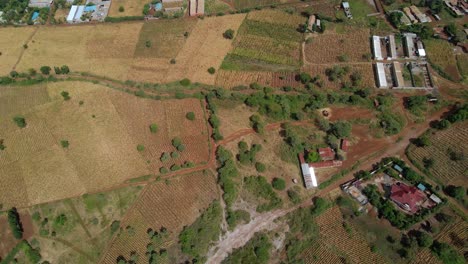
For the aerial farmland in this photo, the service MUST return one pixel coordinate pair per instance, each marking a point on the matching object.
(233, 131)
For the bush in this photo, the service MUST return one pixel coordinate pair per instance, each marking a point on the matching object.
(279, 184)
(190, 116)
(212, 70)
(65, 95)
(140, 147)
(294, 196)
(148, 44)
(175, 167)
(176, 142)
(14, 74)
(173, 61)
(260, 167)
(185, 82)
(121, 9)
(228, 34)
(153, 128)
(64, 143)
(163, 170)
(57, 70)
(174, 155)
(20, 121)
(165, 156)
(64, 69)
(45, 70)
(446, 253)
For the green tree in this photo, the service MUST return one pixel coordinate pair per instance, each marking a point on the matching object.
(278, 184)
(121, 9)
(422, 141)
(64, 143)
(457, 192)
(45, 70)
(260, 167)
(190, 116)
(395, 18)
(20, 121)
(14, 74)
(446, 253)
(15, 223)
(153, 128)
(341, 129)
(140, 147)
(185, 82)
(228, 34)
(211, 70)
(64, 69)
(65, 95)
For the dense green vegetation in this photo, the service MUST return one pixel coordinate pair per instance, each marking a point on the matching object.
(228, 173)
(261, 189)
(256, 251)
(196, 238)
(15, 223)
(446, 253)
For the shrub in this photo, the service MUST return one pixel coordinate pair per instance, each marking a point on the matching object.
(279, 184)
(294, 196)
(211, 70)
(148, 44)
(190, 116)
(175, 167)
(228, 34)
(64, 143)
(173, 61)
(176, 142)
(174, 155)
(165, 156)
(65, 95)
(153, 128)
(181, 147)
(121, 9)
(140, 147)
(260, 167)
(20, 121)
(185, 82)
(57, 70)
(45, 70)
(163, 170)
(64, 69)
(14, 74)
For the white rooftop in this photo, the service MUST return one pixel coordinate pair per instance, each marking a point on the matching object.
(376, 47)
(308, 173)
(381, 77)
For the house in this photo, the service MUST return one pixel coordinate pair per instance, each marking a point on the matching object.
(376, 49)
(308, 173)
(74, 16)
(196, 7)
(420, 16)
(398, 168)
(353, 189)
(410, 15)
(381, 77)
(40, 3)
(421, 187)
(397, 75)
(344, 144)
(409, 39)
(347, 10)
(421, 50)
(326, 153)
(435, 198)
(392, 47)
(407, 197)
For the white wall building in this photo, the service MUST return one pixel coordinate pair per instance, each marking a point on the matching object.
(308, 173)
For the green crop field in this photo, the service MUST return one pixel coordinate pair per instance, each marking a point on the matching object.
(262, 45)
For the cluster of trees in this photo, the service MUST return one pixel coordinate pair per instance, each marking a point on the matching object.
(196, 238)
(214, 120)
(309, 81)
(458, 114)
(457, 192)
(177, 143)
(260, 188)
(257, 124)
(15, 223)
(392, 123)
(446, 253)
(233, 218)
(337, 72)
(416, 103)
(246, 156)
(13, 10)
(256, 251)
(228, 173)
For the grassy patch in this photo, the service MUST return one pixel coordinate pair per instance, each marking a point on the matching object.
(166, 38)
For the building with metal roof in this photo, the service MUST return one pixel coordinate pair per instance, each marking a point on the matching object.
(40, 3)
(392, 47)
(308, 173)
(376, 48)
(381, 77)
(71, 14)
(397, 75)
(421, 50)
(409, 40)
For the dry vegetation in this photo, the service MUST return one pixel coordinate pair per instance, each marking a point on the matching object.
(229, 79)
(171, 205)
(328, 47)
(276, 17)
(104, 49)
(11, 46)
(131, 8)
(205, 48)
(103, 134)
(445, 170)
(349, 246)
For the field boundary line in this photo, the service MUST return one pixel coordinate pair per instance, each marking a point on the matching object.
(24, 49)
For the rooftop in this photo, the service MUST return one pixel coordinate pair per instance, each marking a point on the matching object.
(407, 197)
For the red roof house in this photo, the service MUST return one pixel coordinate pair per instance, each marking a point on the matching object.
(407, 197)
(326, 153)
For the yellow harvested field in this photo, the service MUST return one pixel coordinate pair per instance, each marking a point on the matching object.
(204, 48)
(11, 45)
(101, 153)
(131, 8)
(105, 49)
(327, 47)
(173, 206)
(276, 17)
